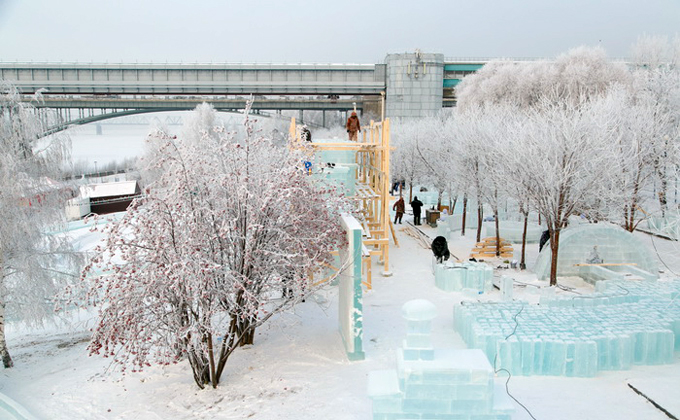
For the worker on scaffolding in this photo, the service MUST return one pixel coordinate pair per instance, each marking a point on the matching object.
(305, 134)
(353, 126)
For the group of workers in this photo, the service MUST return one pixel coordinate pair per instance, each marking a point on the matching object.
(400, 207)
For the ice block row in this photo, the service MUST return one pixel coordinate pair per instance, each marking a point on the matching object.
(455, 277)
(612, 292)
(514, 231)
(571, 340)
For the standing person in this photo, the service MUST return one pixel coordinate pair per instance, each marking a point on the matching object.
(545, 237)
(305, 134)
(353, 126)
(400, 208)
(416, 205)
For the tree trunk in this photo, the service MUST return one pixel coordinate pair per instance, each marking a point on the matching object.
(462, 228)
(554, 246)
(498, 232)
(452, 205)
(410, 192)
(199, 365)
(4, 351)
(480, 219)
(248, 337)
(522, 262)
(630, 212)
(662, 194)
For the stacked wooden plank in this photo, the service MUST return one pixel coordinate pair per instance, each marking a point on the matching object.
(487, 249)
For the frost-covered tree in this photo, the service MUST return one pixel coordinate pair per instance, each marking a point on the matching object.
(551, 98)
(564, 163)
(228, 235)
(474, 137)
(435, 151)
(657, 76)
(406, 161)
(574, 77)
(636, 123)
(33, 262)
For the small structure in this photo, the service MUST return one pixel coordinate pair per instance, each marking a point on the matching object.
(441, 384)
(619, 251)
(431, 217)
(77, 208)
(110, 197)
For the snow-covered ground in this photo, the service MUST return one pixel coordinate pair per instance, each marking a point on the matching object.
(297, 367)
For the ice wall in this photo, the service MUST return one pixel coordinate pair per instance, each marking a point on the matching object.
(624, 323)
(350, 294)
(455, 277)
(513, 231)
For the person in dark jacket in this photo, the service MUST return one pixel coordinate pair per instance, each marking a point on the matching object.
(400, 208)
(353, 126)
(545, 237)
(416, 206)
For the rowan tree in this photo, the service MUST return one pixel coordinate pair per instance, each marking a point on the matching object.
(228, 235)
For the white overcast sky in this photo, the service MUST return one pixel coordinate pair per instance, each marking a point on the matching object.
(320, 31)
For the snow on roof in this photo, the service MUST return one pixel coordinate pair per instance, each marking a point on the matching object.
(108, 189)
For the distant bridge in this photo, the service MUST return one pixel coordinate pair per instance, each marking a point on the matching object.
(413, 84)
(93, 92)
(83, 110)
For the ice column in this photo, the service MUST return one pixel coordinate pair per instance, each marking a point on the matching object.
(418, 314)
(506, 288)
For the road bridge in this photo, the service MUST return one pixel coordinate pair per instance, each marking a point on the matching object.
(413, 84)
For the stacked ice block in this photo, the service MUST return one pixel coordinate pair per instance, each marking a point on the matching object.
(506, 284)
(625, 323)
(454, 223)
(514, 231)
(342, 176)
(436, 384)
(466, 276)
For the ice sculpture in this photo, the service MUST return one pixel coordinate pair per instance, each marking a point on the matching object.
(614, 244)
(437, 384)
(668, 226)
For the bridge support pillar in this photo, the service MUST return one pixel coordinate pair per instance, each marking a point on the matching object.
(414, 84)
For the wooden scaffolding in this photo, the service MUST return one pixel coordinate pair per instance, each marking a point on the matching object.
(372, 187)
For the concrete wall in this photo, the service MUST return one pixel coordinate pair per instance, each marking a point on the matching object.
(414, 84)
